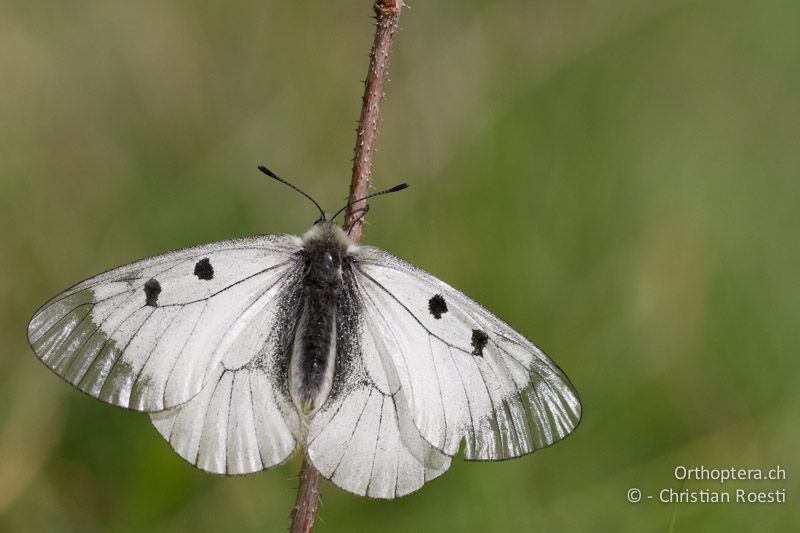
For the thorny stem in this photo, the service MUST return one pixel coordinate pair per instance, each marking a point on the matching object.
(305, 507)
(387, 16)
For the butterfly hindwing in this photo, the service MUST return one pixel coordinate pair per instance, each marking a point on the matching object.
(366, 443)
(148, 335)
(363, 438)
(466, 374)
(243, 420)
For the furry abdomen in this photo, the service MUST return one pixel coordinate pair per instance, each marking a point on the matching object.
(314, 354)
(313, 357)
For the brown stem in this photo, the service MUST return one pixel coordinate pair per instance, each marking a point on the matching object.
(387, 15)
(305, 507)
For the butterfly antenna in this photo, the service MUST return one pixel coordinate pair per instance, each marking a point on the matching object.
(274, 176)
(396, 188)
(362, 212)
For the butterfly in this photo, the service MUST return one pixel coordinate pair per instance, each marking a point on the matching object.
(247, 351)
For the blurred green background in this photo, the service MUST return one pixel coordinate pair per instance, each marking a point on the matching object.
(616, 179)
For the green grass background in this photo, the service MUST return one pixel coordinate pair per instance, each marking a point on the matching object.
(618, 179)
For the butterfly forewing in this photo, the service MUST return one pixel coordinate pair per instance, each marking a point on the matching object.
(466, 373)
(146, 336)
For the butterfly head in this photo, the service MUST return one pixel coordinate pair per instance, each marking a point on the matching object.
(327, 232)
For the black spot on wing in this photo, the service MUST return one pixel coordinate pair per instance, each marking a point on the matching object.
(204, 270)
(437, 306)
(479, 341)
(151, 291)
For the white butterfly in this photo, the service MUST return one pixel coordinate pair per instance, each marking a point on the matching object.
(244, 352)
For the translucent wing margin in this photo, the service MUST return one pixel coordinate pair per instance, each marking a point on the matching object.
(149, 335)
(465, 374)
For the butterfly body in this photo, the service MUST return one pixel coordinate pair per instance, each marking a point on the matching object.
(324, 254)
(247, 351)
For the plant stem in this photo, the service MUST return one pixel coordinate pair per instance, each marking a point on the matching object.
(387, 16)
(305, 507)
